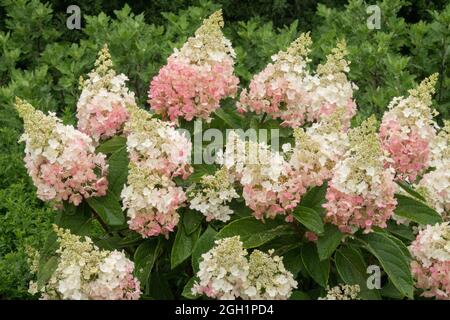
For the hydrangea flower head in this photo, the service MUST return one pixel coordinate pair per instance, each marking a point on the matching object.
(264, 175)
(282, 88)
(197, 76)
(223, 270)
(361, 191)
(342, 292)
(60, 159)
(157, 144)
(152, 200)
(317, 150)
(407, 129)
(157, 154)
(268, 279)
(84, 272)
(333, 90)
(214, 194)
(102, 107)
(431, 264)
(435, 185)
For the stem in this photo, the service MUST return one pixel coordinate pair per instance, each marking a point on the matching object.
(297, 228)
(102, 223)
(263, 118)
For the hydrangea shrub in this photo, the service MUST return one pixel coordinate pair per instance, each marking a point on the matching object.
(137, 219)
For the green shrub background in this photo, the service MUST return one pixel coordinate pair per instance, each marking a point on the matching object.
(41, 61)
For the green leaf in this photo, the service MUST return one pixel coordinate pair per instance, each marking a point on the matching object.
(76, 219)
(144, 259)
(254, 233)
(191, 221)
(391, 255)
(187, 290)
(407, 187)
(159, 287)
(183, 246)
(112, 145)
(352, 268)
(228, 115)
(46, 270)
(416, 211)
(204, 244)
(390, 291)
(292, 261)
(108, 208)
(329, 241)
(400, 230)
(118, 171)
(299, 295)
(310, 218)
(315, 198)
(318, 270)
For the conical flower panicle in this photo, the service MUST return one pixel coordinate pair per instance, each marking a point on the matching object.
(84, 272)
(60, 159)
(407, 128)
(360, 194)
(102, 106)
(197, 77)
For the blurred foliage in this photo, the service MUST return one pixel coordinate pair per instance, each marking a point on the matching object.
(42, 61)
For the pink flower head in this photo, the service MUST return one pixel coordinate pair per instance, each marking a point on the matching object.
(102, 107)
(197, 77)
(60, 159)
(360, 194)
(407, 129)
(431, 265)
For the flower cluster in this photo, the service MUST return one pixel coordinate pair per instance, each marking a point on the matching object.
(431, 264)
(333, 90)
(267, 279)
(226, 273)
(361, 191)
(407, 129)
(157, 154)
(317, 150)
(435, 185)
(84, 272)
(102, 107)
(196, 77)
(285, 89)
(214, 194)
(264, 175)
(60, 159)
(342, 292)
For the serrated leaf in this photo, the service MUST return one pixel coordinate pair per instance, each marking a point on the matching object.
(204, 244)
(315, 197)
(329, 241)
(299, 295)
(144, 259)
(191, 221)
(187, 290)
(112, 145)
(310, 218)
(318, 270)
(183, 246)
(407, 187)
(416, 211)
(108, 208)
(391, 255)
(254, 233)
(117, 171)
(352, 268)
